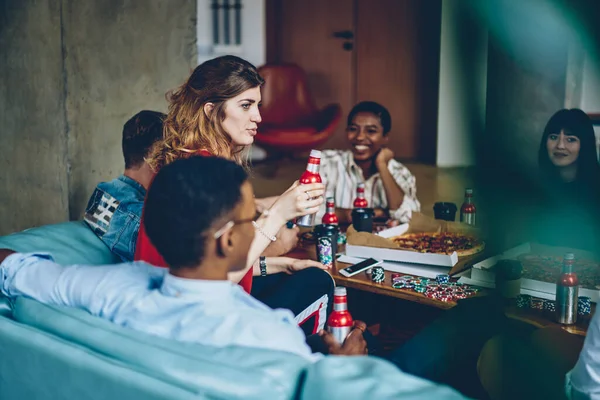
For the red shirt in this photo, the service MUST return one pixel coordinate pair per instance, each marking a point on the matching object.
(145, 250)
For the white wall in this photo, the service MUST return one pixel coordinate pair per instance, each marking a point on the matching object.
(454, 146)
(253, 46)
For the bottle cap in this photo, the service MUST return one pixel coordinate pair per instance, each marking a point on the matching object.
(469, 191)
(330, 199)
(360, 187)
(339, 291)
(315, 154)
(569, 256)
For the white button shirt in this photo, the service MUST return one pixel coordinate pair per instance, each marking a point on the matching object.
(341, 176)
(583, 381)
(149, 299)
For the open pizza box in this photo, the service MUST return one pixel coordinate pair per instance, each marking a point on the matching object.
(379, 246)
(483, 274)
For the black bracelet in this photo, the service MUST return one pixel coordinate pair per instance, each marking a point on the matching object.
(262, 263)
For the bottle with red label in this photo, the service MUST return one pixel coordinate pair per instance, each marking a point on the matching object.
(330, 218)
(360, 201)
(468, 210)
(340, 322)
(567, 292)
(311, 175)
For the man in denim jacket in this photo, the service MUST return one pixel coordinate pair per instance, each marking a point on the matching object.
(114, 211)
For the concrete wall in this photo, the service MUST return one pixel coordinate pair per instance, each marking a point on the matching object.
(33, 168)
(74, 73)
(122, 56)
(527, 64)
(463, 84)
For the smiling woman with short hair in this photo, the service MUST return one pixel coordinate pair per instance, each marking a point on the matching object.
(390, 188)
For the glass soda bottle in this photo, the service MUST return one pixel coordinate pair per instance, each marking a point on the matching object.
(310, 175)
(567, 292)
(468, 210)
(340, 322)
(330, 218)
(360, 201)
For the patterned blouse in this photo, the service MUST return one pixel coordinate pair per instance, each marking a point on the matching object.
(341, 176)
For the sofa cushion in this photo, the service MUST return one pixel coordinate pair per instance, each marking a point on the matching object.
(37, 365)
(232, 372)
(68, 242)
(5, 307)
(367, 377)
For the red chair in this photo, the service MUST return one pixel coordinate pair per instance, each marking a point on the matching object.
(290, 121)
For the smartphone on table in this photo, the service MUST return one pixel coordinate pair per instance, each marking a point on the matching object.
(360, 267)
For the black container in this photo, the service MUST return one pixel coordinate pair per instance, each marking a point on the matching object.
(362, 219)
(445, 211)
(326, 241)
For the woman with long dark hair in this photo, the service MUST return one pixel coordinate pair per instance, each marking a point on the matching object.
(566, 214)
(567, 155)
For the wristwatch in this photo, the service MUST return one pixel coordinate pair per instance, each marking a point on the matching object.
(262, 263)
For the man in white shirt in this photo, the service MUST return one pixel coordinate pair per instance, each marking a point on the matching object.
(390, 188)
(193, 300)
(583, 381)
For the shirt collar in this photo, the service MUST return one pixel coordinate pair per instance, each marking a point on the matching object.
(356, 170)
(174, 286)
(132, 182)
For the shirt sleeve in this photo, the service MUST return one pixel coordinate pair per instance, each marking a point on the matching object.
(583, 381)
(278, 332)
(407, 182)
(92, 288)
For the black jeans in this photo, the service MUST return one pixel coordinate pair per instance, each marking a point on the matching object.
(295, 292)
(446, 351)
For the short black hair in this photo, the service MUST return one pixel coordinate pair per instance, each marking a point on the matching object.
(374, 108)
(139, 134)
(185, 199)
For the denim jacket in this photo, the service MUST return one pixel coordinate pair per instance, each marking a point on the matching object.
(114, 213)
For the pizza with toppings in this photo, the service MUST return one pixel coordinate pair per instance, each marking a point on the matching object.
(440, 243)
(547, 268)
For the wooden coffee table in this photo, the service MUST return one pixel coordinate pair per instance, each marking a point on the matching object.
(363, 282)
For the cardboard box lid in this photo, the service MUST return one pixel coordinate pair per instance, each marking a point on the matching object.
(364, 244)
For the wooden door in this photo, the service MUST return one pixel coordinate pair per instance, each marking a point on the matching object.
(301, 32)
(394, 60)
(397, 57)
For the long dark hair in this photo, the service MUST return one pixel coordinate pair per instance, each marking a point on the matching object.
(576, 123)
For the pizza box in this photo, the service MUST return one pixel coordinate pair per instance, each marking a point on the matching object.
(391, 254)
(365, 245)
(426, 271)
(483, 274)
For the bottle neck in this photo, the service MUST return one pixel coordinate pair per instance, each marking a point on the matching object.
(468, 200)
(330, 209)
(313, 167)
(360, 194)
(567, 268)
(340, 303)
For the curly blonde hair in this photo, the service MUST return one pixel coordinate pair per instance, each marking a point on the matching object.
(187, 128)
